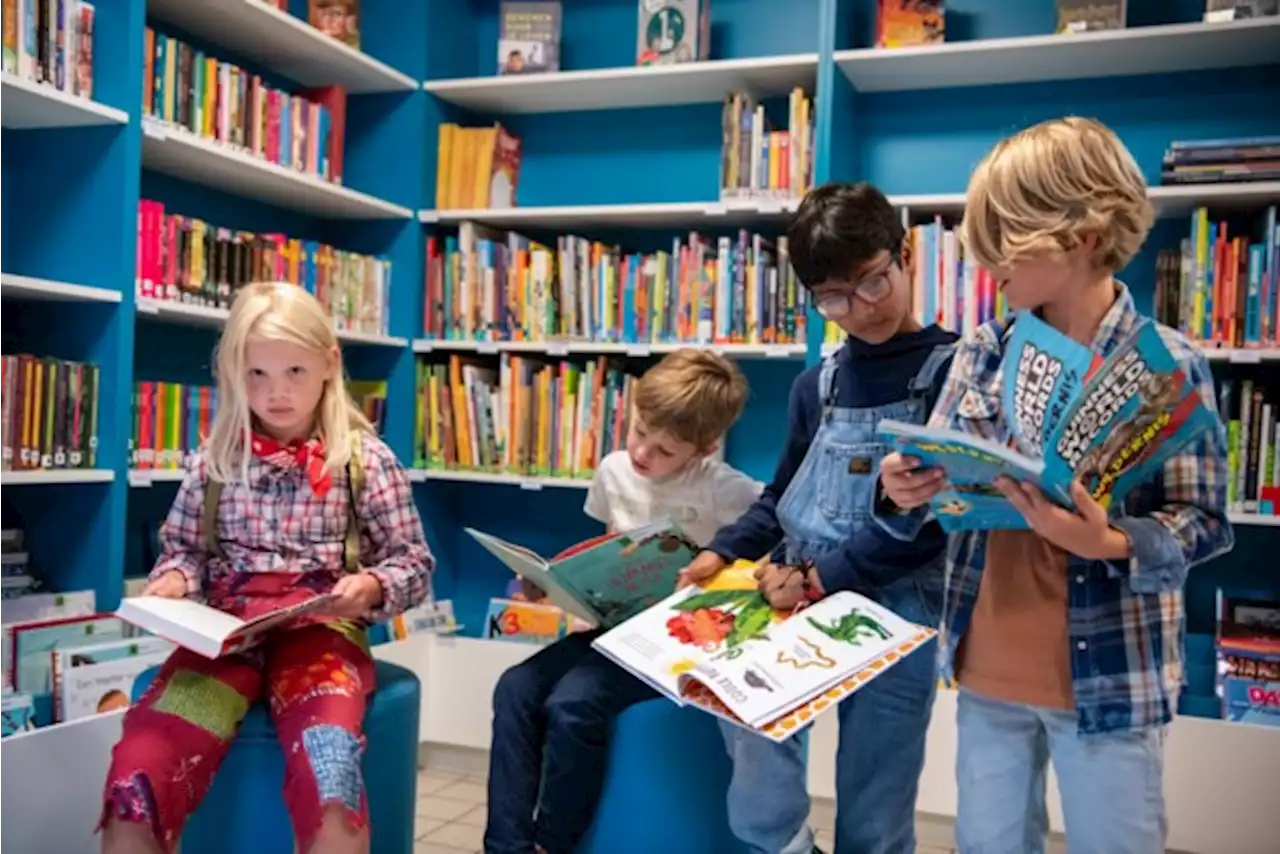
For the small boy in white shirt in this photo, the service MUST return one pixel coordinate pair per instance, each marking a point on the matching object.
(553, 714)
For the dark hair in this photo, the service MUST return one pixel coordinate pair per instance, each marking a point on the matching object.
(838, 228)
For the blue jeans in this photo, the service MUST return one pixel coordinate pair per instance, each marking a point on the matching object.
(552, 718)
(882, 738)
(1112, 785)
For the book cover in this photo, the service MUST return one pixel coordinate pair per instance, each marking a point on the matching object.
(1082, 16)
(906, 23)
(528, 37)
(524, 622)
(208, 631)
(337, 18)
(721, 647)
(672, 31)
(1111, 423)
(1248, 657)
(606, 580)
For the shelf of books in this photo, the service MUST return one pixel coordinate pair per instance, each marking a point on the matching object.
(645, 215)
(1090, 53)
(324, 50)
(29, 105)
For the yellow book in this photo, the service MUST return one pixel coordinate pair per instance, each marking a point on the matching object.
(486, 140)
(444, 165)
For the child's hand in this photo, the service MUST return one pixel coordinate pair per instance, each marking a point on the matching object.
(705, 565)
(358, 594)
(171, 585)
(908, 485)
(1086, 533)
(530, 592)
(785, 586)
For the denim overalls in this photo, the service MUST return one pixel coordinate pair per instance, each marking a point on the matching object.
(882, 726)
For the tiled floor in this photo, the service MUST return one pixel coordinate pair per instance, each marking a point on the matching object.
(451, 815)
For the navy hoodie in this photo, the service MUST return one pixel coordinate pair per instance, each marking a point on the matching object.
(867, 375)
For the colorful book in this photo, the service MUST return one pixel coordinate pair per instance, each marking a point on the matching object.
(1248, 654)
(1110, 423)
(720, 647)
(606, 580)
(208, 631)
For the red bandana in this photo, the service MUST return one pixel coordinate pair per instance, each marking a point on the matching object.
(308, 455)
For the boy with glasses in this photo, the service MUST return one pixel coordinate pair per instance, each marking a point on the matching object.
(848, 248)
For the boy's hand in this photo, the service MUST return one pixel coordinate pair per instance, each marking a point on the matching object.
(1086, 533)
(784, 586)
(908, 485)
(357, 594)
(705, 565)
(171, 585)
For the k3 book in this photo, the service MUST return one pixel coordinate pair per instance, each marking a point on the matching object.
(208, 631)
(720, 647)
(1071, 415)
(605, 580)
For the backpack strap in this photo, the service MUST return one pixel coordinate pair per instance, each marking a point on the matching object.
(355, 485)
(209, 516)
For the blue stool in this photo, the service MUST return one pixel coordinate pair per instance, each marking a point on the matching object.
(244, 809)
(665, 786)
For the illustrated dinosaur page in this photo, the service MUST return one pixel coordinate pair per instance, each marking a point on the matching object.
(721, 647)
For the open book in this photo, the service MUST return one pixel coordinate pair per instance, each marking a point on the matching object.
(208, 631)
(608, 579)
(721, 647)
(1110, 423)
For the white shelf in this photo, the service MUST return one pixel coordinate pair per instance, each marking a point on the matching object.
(1030, 59)
(649, 215)
(28, 287)
(29, 105)
(638, 86)
(1254, 520)
(639, 351)
(171, 311)
(279, 41)
(174, 151)
(523, 481)
(35, 477)
(145, 477)
(1241, 356)
(1169, 201)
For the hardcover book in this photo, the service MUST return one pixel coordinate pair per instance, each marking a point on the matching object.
(720, 647)
(605, 580)
(208, 631)
(1110, 423)
(528, 37)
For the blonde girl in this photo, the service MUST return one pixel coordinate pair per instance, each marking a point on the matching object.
(284, 524)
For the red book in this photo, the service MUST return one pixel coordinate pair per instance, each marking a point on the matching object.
(334, 100)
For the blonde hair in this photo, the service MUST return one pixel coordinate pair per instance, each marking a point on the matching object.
(1048, 187)
(275, 311)
(695, 395)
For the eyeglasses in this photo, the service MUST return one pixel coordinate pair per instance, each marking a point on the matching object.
(837, 302)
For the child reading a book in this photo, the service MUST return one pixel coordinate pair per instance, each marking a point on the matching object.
(268, 516)
(552, 714)
(848, 248)
(1066, 639)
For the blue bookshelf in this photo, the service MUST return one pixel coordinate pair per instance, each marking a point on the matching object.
(610, 151)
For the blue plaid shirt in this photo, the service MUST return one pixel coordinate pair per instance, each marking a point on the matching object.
(1125, 618)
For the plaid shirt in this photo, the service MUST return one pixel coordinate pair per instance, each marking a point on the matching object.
(1125, 618)
(276, 523)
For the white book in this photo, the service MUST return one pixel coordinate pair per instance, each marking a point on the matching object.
(204, 630)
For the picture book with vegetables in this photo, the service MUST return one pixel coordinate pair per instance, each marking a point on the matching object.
(1071, 415)
(721, 647)
(605, 580)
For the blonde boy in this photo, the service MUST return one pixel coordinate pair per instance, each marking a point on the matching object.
(553, 713)
(1067, 640)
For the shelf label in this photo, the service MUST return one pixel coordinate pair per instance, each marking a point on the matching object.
(716, 209)
(637, 351)
(487, 348)
(531, 485)
(777, 351)
(422, 346)
(557, 348)
(1245, 357)
(139, 477)
(154, 130)
(769, 207)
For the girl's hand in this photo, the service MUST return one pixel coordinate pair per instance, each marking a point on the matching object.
(357, 594)
(1086, 533)
(908, 485)
(171, 585)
